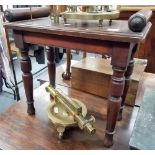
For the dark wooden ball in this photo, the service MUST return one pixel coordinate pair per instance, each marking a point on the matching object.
(137, 23)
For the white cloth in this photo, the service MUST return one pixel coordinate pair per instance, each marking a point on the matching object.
(4, 53)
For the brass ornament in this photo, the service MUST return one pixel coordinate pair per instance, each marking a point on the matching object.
(65, 112)
(54, 13)
(90, 13)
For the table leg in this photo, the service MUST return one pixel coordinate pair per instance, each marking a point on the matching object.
(128, 73)
(27, 80)
(67, 75)
(114, 102)
(100, 23)
(65, 20)
(51, 64)
(120, 59)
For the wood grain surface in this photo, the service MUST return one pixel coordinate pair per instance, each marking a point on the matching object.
(93, 75)
(147, 49)
(119, 30)
(21, 131)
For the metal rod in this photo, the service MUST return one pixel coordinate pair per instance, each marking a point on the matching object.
(12, 65)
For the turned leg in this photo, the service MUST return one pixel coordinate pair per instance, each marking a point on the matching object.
(127, 83)
(114, 103)
(120, 59)
(67, 75)
(100, 23)
(51, 64)
(65, 20)
(110, 22)
(28, 80)
(128, 73)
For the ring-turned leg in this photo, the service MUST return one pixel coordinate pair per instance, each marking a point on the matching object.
(27, 80)
(128, 73)
(65, 20)
(110, 22)
(114, 103)
(67, 75)
(120, 59)
(51, 64)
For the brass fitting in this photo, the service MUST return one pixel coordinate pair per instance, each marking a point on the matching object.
(74, 112)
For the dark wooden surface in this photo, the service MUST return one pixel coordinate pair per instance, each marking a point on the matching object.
(119, 30)
(21, 131)
(18, 14)
(147, 49)
(116, 39)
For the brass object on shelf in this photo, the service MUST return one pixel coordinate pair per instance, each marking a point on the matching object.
(90, 13)
(66, 112)
(54, 13)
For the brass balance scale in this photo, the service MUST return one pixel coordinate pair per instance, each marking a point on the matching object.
(66, 112)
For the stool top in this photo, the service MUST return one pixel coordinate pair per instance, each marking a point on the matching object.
(118, 31)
